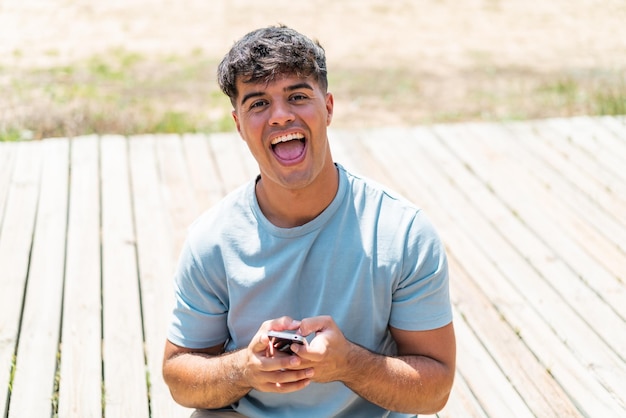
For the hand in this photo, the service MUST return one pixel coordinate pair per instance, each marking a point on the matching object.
(329, 351)
(275, 372)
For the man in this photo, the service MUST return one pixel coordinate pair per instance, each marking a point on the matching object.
(310, 248)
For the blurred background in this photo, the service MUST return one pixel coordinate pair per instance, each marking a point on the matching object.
(72, 67)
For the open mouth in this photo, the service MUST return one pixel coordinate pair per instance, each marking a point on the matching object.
(290, 147)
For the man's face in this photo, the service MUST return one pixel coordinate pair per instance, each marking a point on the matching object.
(284, 124)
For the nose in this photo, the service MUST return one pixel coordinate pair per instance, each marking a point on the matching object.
(281, 114)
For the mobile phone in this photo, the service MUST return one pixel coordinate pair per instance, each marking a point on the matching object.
(282, 340)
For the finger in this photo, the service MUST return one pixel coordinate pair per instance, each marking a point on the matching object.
(262, 342)
(315, 324)
(292, 386)
(283, 362)
(286, 387)
(289, 380)
(310, 353)
(281, 324)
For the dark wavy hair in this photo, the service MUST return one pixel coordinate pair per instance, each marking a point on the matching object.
(268, 53)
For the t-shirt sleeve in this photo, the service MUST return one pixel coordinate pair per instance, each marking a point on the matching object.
(421, 300)
(200, 310)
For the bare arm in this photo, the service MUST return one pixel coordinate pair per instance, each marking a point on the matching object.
(209, 378)
(417, 381)
(196, 377)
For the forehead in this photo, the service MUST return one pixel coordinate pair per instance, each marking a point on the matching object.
(279, 82)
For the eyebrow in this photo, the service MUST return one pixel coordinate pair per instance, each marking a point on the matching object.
(297, 86)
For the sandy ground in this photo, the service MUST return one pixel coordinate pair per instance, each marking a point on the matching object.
(447, 40)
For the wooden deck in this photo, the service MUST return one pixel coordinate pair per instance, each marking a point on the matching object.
(533, 215)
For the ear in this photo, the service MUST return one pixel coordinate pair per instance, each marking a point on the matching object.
(236, 119)
(330, 104)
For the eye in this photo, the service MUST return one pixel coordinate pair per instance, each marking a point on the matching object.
(298, 96)
(258, 104)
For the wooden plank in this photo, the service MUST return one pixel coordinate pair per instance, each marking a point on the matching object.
(34, 384)
(611, 137)
(540, 391)
(591, 187)
(233, 169)
(617, 127)
(181, 209)
(462, 402)
(595, 228)
(156, 261)
(586, 162)
(586, 138)
(125, 380)
(588, 350)
(205, 179)
(80, 385)
(8, 151)
(488, 382)
(607, 136)
(598, 278)
(177, 192)
(597, 314)
(543, 258)
(348, 151)
(250, 166)
(242, 159)
(517, 166)
(15, 249)
(529, 379)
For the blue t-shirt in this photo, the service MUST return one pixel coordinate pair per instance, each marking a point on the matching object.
(369, 260)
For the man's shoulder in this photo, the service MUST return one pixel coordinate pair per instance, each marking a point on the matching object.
(227, 210)
(367, 188)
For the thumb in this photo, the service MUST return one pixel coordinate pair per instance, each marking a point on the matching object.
(260, 342)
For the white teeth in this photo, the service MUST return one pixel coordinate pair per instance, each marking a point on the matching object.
(287, 137)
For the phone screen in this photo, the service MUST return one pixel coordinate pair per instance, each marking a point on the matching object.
(282, 341)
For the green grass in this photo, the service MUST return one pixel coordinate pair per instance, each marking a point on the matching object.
(610, 102)
(485, 93)
(11, 134)
(122, 92)
(55, 391)
(12, 372)
(118, 92)
(600, 96)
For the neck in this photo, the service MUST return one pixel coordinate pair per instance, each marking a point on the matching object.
(288, 208)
